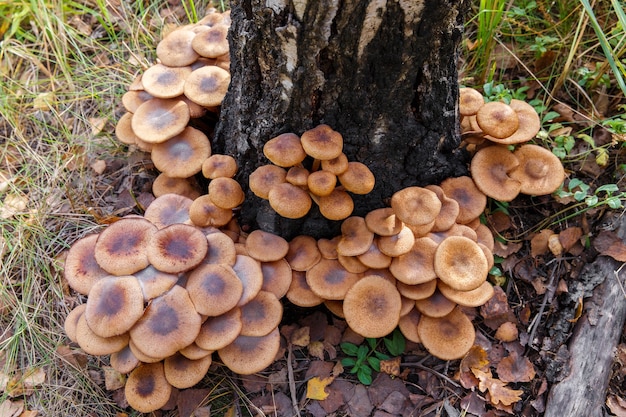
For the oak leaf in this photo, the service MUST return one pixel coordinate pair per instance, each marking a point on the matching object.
(499, 393)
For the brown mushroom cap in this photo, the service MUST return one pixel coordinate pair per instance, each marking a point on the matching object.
(124, 361)
(437, 305)
(177, 248)
(214, 289)
(96, 345)
(356, 238)
(284, 150)
(175, 49)
(154, 282)
(121, 247)
(336, 165)
(164, 184)
(247, 355)
(322, 142)
(218, 165)
(165, 82)
(472, 201)
(461, 263)
(472, 298)
(328, 247)
(374, 258)
(449, 337)
(124, 131)
(408, 325)
(357, 179)
(220, 331)
(497, 119)
(449, 210)
(470, 101)
(540, 171)
(321, 183)
(289, 201)
(71, 321)
(337, 205)
(352, 264)
(147, 389)
(114, 305)
(303, 253)
(204, 213)
(276, 277)
(81, 268)
(212, 42)
(194, 352)
(298, 176)
(329, 280)
(261, 315)
(415, 205)
(182, 155)
(182, 372)
(207, 86)
(383, 222)
(266, 247)
(300, 293)
(529, 124)
(417, 265)
(490, 168)
(226, 193)
(133, 99)
(397, 244)
(169, 324)
(159, 119)
(221, 250)
(372, 306)
(417, 291)
(168, 209)
(264, 178)
(250, 274)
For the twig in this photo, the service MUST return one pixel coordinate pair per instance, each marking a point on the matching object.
(432, 371)
(292, 382)
(548, 295)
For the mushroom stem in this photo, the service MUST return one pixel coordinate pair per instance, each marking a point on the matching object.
(316, 165)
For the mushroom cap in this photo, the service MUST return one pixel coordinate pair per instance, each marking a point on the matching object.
(408, 325)
(218, 165)
(220, 331)
(165, 82)
(358, 178)
(81, 269)
(470, 101)
(177, 248)
(335, 307)
(159, 119)
(497, 119)
(133, 99)
(337, 205)
(264, 178)
(415, 205)
(276, 277)
(449, 210)
(336, 165)
(437, 305)
(182, 156)
(472, 298)
(146, 388)
(71, 321)
(164, 184)
(298, 176)
(321, 183)
(289, 201)
(207, 86)
(284, 150)
(121, 247)
(300, 293)
(352, 264)
(124, 131)
(397, 244)
(417, 291)
(214, 289)
(182, 372)
(329, 280)
(540, 171)
(374, 258)
(124, 361)
(250, 274)
(372, 306)
(247, 355)
(449, 337)
(221, 250)
(461, 263)
(266, 247)
(114, 305)
(322, 142)
(303, 253)
(356, 238)
(261, 315)
(96, 345)
(328, 247)
(212, 42)
(383, 222)
(226, 193)
(169, 323)
(490, 168)
(417, 265)
(194, 352)
(204, 213)
(472, 201)
(168, 209)
(529, 124)
(175, 49)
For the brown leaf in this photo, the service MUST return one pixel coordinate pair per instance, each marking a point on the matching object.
(497, 311)
(99, 166)
(391, 366)
(10, 408)
(539, 243)
(515, 368)
(500, 221)
(300, 337)
(617, 405)
(609, 244)
(554, 244)
(499, 393)
(476, 358)
(190, 399)
(113, 379)
(316, 349)
(569, 237)
(505, 250)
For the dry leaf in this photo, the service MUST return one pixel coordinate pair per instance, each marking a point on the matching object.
(44, 101)
(99, 166)
(315, 388)
(539, 243)
(301, 337)
(554, 244)
(10, 408)
(503, 250)
(113, 379)
(617, 405)
(514, 368)
(499, 393)
(609, 244)
(476, 358)
(391, 366)
(97, 124)
(316, 349)
(569, 237)
(13, 204)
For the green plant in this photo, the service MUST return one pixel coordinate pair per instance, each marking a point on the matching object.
(607, 194)
(364, 359)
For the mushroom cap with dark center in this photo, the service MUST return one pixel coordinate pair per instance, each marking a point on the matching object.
(182, 155)
(168, 209)
(289, 201)
(437, 305)
(211, 43)
(177, 248)
(114, 305)
(183, 373)
(96, 345)
(322, 142)
(328, 247)
(415, 205)
(226, 193)
(207, 86)
(264, 178)
(298, 176)
(124, 361)
(337, 165)
(214, 289)
(284, 150)
(203, 213)
(540, 171)
(165, 82)
(356, 238)
(329, 280)
(383, 221)
(147, 389)
(321, 183)
(276, 277)
(266, 247)
(337, 205)
(470, 101)
(449, 337)
(529, 124)
(121, 247)
(175, 49)
(261, 315)
(374, 258)
(300, 293)
(417, 265)
(81, 269)
(472, 298)
(397, 244)
(169, 323)
(247, 355)
(159, 119)
(497, 119)
(250, 274)
(218, 165)
(303, 253)
(163, 184)
(358, 178)
(461, 263)
(472, 201)
(490, 168)
(218, 332)
(372, 306)
(221, 250)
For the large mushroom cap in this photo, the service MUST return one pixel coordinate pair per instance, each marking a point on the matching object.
(356, 238)
(165, 82)
(182, 373)
(540, 171)
(289, 201)
(247, 355)
(168, 209)
(284, 150)
(372, 306)
(266, 247)
(220, 331)
(264, 178)
(81, 269)
(207, 85)
(449, 337)
(472, 201)
(329, 280)
(490, 169)
(212, 42)
(497, 119)
(175, 49)
(470, 101)
(147, 389)
(322, 142)
(159, 119)
(226, 193)
(261, 315)
(415, 205)
(337, 205)
(461, 263)
(182, 156)
(417, 265)
(214, 289)
(177, 248)
(358, 178)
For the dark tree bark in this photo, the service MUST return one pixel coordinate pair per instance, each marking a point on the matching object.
(382, 72)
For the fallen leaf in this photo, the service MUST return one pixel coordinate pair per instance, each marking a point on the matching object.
(539, 243)
(476, 358)
(515, 368)
(391, 366)
(97, 124)
(609, 244)
(113, 379)
(316, 387)
(499, 393)
(99, 166)
(554, 244)
(10, 408)
(617, 405)
(569, 237)
(301, 337)
(316, 349)
(45, 101)
(505, 250)
(13, 204)
(497, 311)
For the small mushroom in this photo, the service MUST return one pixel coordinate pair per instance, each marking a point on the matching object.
(415, 205)
(356, 238)
(168, 209)
(472, 298)
(147, 389)
(321, 183)
(266, 247)
(175, 49)
(357, 179)
(417, 265)
(220, 331)
(497, 119)
(472, 201)
(264, 178)
(284, 150)
(204, 213)
(449, 337)
(165, 82)
(461, 263)
(303, 253)
(437, 305)
(226, 193)
(212, 42)
(329, 280)
(300, 293)
(218, 165)
(182, 372)
(81, 269)
(247, 355)
(338, 205)
(261, 315)
(470, 101)
(289, 201)
(207, 86)
(322, 142)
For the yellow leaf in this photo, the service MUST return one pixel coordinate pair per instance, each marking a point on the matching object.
(498, 391)
(315, 388)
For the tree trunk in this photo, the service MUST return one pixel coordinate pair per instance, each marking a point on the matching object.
(382, 72)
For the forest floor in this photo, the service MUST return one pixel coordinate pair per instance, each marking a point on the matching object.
(63, 175)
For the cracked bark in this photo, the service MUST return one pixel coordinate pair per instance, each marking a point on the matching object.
(382, 72)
